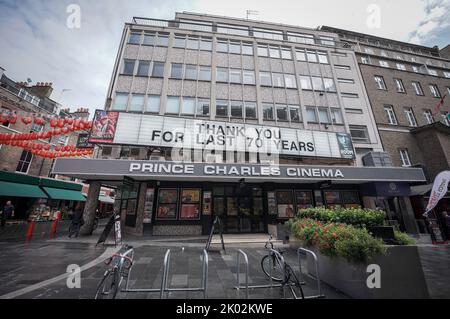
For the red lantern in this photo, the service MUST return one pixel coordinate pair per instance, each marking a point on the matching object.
(47, 147)
(48, 134)
(68, 121)
(65, 130)
(60, 123)
(26, 120)
(13, 119)
(57, 131)
(57, 148)
(38, 120)
(54, 122)
(76, 123)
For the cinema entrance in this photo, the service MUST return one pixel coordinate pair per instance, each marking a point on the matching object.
(240, 208)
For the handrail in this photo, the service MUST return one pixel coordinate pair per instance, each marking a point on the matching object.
(165, 275)
(316, 263)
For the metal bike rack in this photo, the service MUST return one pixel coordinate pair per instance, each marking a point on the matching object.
(165, 287)
(247, 286)
(137, 290)
(316, 263)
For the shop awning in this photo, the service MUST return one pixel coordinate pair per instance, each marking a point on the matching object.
(21, 190)
(64, 194)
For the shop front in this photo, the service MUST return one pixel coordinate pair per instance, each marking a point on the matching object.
(183, 198)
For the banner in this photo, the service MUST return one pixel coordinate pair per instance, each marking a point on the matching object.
(103, 127)
(439, 190)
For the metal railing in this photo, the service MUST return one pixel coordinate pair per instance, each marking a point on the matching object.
(316, 263)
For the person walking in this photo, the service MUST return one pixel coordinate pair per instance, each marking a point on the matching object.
(77, 222)
(7, 213)
(446, 216)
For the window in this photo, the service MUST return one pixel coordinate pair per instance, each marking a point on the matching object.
(221, 74)
(249, 77)
(410, 117)
(390, 114)
(120, 102)
(202, 107)
(222, 46)
(415, 69)
(277, 79)
(404, 157)
(286, 53)
(383, 53)
(236, 30)
(384, 64)
(301, 38)
(336, 116)
(274, 52)
(282, 113)
(312, 57)
(305, 82)
(329, 85)
(447, 74)
(190, 72)
(250, 110)
(235, 76)
(317, 83)
(365, 60)
(236, 109)
(359, 133)
(267, 34)
(222, 108)
(350, 95)
(353, 111)
(180, 42)
(428, 116)
(342, 67)
(158, 69)
(300, 55)
(205, 45)
(235, 47)
(163, 40)
(289, 79)
(247, 49)
(294, 113)
(149, 39)
(188, 106)
(128, 67)
(417, 88)
(24, 162)
(265, 79)
(192, 43)
(135, 38)
(262, 51)
(446, 118)
(143, 68)
(399, 85)
(137, 103)
(173, 105)
(327, 40)
(379, 80)
(267, 111)
(348, 81)
(153, 102)
(106, 150)
(369, 51)
(177, 71)
(324, 116)
(204, 73)
(401, 66)
(434, 90)
(34, 127)
(432, 72)
(323, 58)
(311, 115)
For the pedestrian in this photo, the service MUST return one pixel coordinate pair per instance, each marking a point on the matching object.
(7, 213)
(77, 221)
(447, 221)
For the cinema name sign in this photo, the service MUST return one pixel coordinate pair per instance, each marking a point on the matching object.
(172, 132)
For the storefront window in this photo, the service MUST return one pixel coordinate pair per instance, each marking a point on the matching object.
(304, 200)
(333, 199)
(190, 204)
(148, 206)
(350, 199)
(167, 204)
(285, 204)
(232, 209)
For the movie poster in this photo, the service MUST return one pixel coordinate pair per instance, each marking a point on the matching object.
(104, 127)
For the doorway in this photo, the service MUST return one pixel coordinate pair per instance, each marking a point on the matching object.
(240, 208)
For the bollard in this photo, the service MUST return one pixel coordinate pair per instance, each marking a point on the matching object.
(30, 230)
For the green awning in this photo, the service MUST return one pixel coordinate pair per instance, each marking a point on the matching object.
(65, 194)
(21, 190)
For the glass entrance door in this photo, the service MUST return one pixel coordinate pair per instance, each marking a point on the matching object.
(240, 208)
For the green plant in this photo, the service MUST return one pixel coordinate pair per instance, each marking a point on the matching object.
(359, 217)
(403, 238)
(334, 239)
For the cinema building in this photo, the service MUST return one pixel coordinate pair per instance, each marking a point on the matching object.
(250, 121)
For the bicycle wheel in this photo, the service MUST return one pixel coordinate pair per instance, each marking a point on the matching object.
(293, 282)
(108, 287)
(277, 269)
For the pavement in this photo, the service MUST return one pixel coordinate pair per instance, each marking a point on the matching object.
(38, 269)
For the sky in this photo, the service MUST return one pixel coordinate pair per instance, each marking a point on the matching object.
(42, 41)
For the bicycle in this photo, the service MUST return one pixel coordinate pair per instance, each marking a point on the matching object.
(113, 277)
(274, 266)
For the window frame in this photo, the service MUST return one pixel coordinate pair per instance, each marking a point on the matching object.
(390, 112)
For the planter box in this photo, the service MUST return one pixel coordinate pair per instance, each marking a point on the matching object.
(401, 275)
